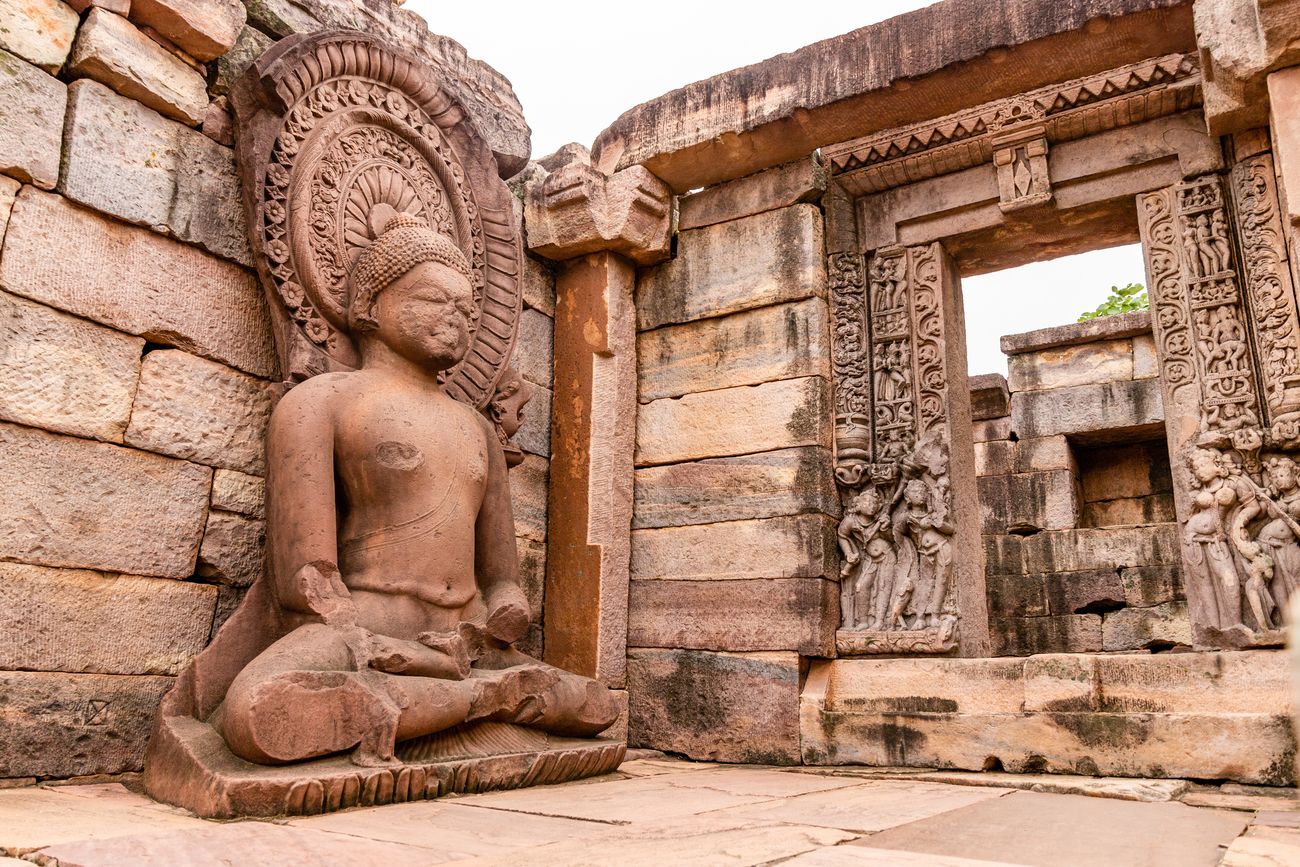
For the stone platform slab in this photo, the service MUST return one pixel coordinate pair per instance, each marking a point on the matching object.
(655, 811)
(1215, 716)
(190, 765)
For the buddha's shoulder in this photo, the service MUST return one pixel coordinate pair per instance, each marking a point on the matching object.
(318, 394)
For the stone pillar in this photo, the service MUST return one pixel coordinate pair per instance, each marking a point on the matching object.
(913, 576)
(1228, 344)
(599, 228)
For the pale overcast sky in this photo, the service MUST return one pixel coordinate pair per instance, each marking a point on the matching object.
(577, 65)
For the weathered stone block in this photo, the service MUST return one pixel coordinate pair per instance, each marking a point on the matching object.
(38, 31)
(1094, 591)
(65, 374)
(113, 52)
(31, 121)
(1109, 548)
(1066, 366)
(1160, 626)
(765, 614)
(189, 407)
(734, 421)
(248, 46)
(8, 193)
(77, 503)
(239, 492)
(989, 398)
(1118, 327)
(991, 429)
(534, 355)
(1252, 681)
(1087, 408)
(1016, 595)
(538, 286)
(532, 574)
(785, 341)
(1029, 501)
(534, 435)
(765, 485)
(135, 281)
(203, 29)
(79, 621)
(790, 184)
(801, 546)
(120, 157)
(528, 490)
(753, 262)
(1033, 455)
(1061, 682)
(67, 725)
(1004, 555)
(1025, 636)
(233, 550)
(1145, 363)
(206, 207)
(927, 686)
(715, 706)
(1145, 586)
(1156, 509)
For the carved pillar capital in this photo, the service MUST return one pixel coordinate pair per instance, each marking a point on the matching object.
(577, 209)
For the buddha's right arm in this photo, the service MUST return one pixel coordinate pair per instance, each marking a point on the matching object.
(302, 535)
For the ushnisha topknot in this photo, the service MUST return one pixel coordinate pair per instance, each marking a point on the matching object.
(406, 241)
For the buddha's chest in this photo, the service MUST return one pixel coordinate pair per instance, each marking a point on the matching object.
(395, 447)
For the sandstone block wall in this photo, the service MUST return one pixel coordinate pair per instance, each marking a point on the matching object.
(1081, 548)
(734, 563)
(138, 366)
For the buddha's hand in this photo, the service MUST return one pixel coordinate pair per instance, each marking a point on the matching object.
(507, 613)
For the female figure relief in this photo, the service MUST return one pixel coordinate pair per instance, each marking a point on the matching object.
(868, 570)
(1280, 537)
(1207, 544)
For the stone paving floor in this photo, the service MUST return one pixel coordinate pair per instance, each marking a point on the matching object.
(666, 812)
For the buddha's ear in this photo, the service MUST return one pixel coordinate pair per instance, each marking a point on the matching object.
(378, 219)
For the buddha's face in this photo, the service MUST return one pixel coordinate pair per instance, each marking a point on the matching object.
(424, 315)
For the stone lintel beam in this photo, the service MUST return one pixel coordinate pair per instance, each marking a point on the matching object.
(593, 437)
(1241, 42)
(913, 67)
(577, 210)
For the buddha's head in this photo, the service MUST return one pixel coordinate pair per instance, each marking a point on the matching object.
(411, 290)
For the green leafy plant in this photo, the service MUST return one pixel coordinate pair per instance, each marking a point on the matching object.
(1122, 299)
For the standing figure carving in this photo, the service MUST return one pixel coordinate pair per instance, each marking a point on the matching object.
(381, 634)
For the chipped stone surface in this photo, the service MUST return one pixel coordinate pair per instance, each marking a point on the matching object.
(731, 707)
(538, 286)
(528, 495)
(65, 374)
(77, 503)
(1029, 502)
(239, 492)
(206, 208)
(233, 550)
(801, 546)
(1028, 455)
(740, 265)
(65, 725)
(75, 620)
(766, 614)
(138, 282)
(785, 341)
(231, 65)
(734, 421)
(203, 29)
(192, 408)
(38, 31)
(534, 435)
(989, 397)
(800, 181)
(31, 121)
(1082, 364)
(534, 354)
(764, 485)
(113, 52)
(1138, 628)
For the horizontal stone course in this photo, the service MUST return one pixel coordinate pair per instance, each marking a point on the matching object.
(1160, 626)
(1067, 633)
(136, 281)
(1084, 409)
(764, 485)
(728, 707)
(66, 725)
(65, 374)
(1028, 455)
(800, 181)
(76, 503)
(734, 421)
(190, 407)
(112, 51)
(32, 105)
(1029, 501)
(1082, 364)
(1083, 549)
(785, 341)
(739, 265)
(81, 621)
(801, 546)
(765, 614)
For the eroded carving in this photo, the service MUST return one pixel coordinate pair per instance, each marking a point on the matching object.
(384, 626)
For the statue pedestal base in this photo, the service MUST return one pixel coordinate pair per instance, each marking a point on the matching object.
(188, 764)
